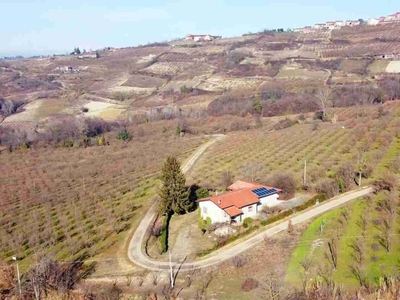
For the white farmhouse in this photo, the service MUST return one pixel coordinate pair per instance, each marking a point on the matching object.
(373, 22)
(245, 199)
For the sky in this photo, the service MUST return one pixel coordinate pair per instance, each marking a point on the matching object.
(52, 26)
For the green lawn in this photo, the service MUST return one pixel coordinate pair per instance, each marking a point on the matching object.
(303, 249)
(376, 262)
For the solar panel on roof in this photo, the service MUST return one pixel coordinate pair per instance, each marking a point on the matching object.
(263, 192)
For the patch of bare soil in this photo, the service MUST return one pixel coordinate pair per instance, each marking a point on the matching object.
(189, 239)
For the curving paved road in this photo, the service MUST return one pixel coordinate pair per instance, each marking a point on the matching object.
(137, 256)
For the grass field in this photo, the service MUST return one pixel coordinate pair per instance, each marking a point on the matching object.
(378, 66)
(375, 260)
(311, 239)
(351, 66)
(290, 73)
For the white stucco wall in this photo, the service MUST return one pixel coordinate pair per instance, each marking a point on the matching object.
(270, 201)
(252, 214)
(216, 214)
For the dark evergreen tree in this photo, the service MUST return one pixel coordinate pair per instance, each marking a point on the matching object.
(174, 195)
(257, 107)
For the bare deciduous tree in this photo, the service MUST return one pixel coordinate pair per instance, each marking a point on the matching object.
(362, 223)
(358, 250)
(238, 261)
(324, 98)
(50, 275)
(226, 179)
(326, 272)
(332, 253)
(358, 273)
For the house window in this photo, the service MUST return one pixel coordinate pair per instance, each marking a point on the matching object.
(250, 208)
(205, 210)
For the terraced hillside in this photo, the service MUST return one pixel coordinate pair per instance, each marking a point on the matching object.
(131, 77)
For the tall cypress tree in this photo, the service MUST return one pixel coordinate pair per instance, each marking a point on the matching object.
(173, 192)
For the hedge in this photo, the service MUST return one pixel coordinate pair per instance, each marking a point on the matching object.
(164, 234)
(230, 240)
(284, 214)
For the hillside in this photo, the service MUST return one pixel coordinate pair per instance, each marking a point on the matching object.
(82, 142)
(215, 78)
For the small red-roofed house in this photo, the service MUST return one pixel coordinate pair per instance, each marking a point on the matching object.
(244, 199)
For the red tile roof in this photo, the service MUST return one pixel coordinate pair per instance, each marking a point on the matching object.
(241, 184)
(233, 211)
(241, 195)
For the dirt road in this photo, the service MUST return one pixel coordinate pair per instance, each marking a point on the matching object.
(135, 252)
(136, 255)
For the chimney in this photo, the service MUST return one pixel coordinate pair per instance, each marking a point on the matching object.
(219, 201)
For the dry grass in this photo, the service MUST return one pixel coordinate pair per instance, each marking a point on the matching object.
(293, 71)
(351, 66)
(143, 81)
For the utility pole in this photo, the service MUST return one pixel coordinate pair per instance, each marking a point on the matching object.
(170, 266)
(305, 173)
(19, 279)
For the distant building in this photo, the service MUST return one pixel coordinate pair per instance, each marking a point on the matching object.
(373, 22)
(201, 37)
(304, 29)
(340, 23)
(352, 23)
(85, 56)
(330, 25)
(320, 26)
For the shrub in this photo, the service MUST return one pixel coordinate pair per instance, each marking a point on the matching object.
(204, 225)
(328, 187)
(178, 130)
(122, 96)
(284, 181)
(278, 217)
(282, 124)
(66, 144)
(185, 89)
(249, 284)
(238, 261)
(100, 140)
(342, 189)
(124, 135)
(227, 240)
(202, 193)
(346, 174)
(388, 181)
(247, 222)
(226, 179)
